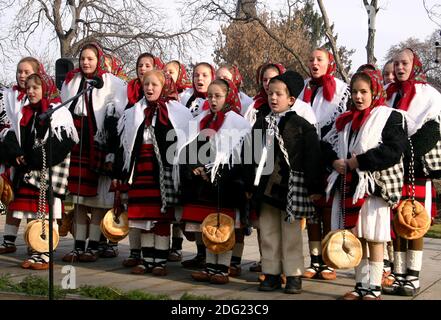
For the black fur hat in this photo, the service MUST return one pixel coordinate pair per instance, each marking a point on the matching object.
(293, 80)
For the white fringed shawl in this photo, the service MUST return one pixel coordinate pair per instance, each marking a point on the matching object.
(111, 99)
(368, 137)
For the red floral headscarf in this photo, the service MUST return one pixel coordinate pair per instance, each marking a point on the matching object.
(134, 87)
(232, 103)
(100, 68)
(378, 99)
(326, 81)
(407, 87)
(236, 76)
(50, 95)
(22, 91)
(262, 98)
(196, 93)
(114, 65)
(182, 82)
(168, 92)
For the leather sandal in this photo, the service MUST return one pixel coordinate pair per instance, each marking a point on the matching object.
(327, 273)
(73, 256)
(311, 272)
(7, 247)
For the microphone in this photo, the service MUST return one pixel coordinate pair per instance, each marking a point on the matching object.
(96, 82)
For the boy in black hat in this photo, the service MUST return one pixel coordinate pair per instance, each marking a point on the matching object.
(284, 195)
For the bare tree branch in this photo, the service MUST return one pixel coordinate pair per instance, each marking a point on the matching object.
(372, 10)
(333, 42)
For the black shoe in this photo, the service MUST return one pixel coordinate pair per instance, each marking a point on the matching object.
(271, 283)
(293, 285)
(408, 288)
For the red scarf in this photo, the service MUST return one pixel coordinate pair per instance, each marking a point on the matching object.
(168, 92)
(196, 93)
(358, 117)
(407, 88)
(50, 95)
(21, 92)
(326, 81)
(182, 82)
(100, 68)
(134, 91)
(261, 97)
(214, 120)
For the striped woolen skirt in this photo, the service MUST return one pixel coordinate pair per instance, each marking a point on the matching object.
(144, 196)
(26, 199)
(79, 167)
(423, 188)
(192, 212)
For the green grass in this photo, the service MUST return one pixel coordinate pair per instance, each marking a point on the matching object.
(38, 286)
(189, 296)
(434, 231)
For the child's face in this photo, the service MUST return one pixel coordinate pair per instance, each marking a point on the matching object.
(173, 70)
(202, 78)
(145, 64)
(267, 76)
(24, 70)
(403, 65)
(388, 73)
(361, 94)
(278, 97)
(152, 88)
(318, 63)
(34, 91)
(216, 97)
(224, 73)
(88, 61)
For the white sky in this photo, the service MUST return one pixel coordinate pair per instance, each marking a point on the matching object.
(396, 21)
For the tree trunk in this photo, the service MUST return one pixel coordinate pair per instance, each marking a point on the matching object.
(371, 10)
(246, 9)
(333, 42)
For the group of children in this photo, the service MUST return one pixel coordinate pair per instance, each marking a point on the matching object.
(178, 149)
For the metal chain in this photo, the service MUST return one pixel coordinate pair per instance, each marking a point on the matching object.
(412, 176)
(342, 204)
(43, 189)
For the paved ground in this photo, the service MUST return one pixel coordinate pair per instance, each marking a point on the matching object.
(109, 272)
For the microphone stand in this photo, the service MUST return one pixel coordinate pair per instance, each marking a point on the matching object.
(47, 117)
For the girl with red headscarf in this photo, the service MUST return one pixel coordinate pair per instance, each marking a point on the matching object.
(221, 130)
(145, 62)
(365, 148)
(95, 115)
(11, 101)
(232, 73)
(179, 75)
(26, 144)
(145, 163)
(260, 105)
(327, 97)
(421, 104)
(195, 98)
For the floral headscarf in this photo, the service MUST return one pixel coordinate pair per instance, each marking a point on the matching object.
(262, 98)
(358, 117)
(326, 81)
(182, 82)
(196, 93)
(232, 103)
(50, 95)
(168, 92)
(100, 68)
(134, 87)
(407, 87)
